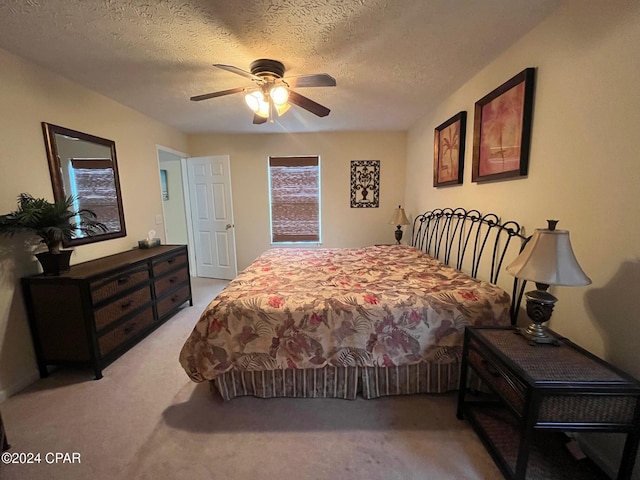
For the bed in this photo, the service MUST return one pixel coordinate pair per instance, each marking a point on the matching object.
(375, 321)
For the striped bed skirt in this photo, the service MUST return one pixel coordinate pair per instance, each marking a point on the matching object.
(341, 382)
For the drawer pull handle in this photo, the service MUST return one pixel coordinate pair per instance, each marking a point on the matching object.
(129, 328)
(173, 279)
(174, 298)
(171, 260)
(126, 305)
(490, 368)
(123, 280)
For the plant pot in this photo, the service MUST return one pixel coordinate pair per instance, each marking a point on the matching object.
(54, 263)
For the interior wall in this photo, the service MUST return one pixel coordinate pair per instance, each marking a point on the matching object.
(342, 226)
(584, 167)
(30, 95)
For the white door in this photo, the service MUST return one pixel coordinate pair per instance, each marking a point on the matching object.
(212, 216)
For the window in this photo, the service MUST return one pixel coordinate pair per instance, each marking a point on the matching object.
(294, 188)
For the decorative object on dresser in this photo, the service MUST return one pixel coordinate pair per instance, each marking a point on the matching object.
(399, 218)
(448, 151)
(86, 167)
(55, 223)
(547, 259)
(101, 308)
(536, 393)
(502, 129)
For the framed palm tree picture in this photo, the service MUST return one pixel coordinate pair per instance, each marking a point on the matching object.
(502, 130)
(448, 151)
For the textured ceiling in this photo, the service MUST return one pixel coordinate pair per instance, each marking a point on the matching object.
(392, 59)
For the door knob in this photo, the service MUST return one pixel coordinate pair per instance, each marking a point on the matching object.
(228, 226)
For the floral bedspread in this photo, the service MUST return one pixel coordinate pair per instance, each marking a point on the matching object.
(308, 308)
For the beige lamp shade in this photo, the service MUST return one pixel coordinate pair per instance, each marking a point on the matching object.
(549, 259)
(399, 217)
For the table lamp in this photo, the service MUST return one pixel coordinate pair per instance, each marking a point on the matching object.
(399, 218)
(547, 259)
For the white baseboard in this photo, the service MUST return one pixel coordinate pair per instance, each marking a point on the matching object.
(17, 386)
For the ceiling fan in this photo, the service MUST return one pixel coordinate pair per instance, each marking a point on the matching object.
(273, 92)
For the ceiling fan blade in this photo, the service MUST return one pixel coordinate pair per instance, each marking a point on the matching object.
(308, 104)
(258, 120)
(315, 80)
(222, 93)
(237, 71)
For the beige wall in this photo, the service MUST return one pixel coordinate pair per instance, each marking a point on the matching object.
(28, 96)
(584, 164)
(342, 226)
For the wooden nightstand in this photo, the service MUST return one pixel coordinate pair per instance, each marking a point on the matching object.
(541, 389)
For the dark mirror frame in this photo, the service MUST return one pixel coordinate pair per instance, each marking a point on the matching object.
(50, 131)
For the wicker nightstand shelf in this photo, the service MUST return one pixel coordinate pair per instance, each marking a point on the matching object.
(541, 389)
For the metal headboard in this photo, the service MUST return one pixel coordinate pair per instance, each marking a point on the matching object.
(470, 241)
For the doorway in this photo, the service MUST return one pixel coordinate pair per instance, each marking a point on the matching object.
(198, 211)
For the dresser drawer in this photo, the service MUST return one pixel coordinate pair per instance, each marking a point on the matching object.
(124, 332)
(174, 300)
(167, 263)
(585, 408)
(496, 377)
(116, 310)
(170, 281)
(109, 287)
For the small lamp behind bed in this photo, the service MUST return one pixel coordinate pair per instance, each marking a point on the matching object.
(547, 259)
(399, 218)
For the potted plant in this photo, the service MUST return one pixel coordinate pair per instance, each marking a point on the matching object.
(55, 223)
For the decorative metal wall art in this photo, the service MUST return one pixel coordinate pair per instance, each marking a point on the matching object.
(365, 183)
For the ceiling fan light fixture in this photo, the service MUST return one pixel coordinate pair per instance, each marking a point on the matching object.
(263, 111)
(282, 109)
(279, 95)
(272, 93)
(258, 103)
(254, 99)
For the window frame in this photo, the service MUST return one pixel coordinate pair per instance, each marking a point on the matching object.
(319, 200)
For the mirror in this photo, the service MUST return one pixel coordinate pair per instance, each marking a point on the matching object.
(85, 166)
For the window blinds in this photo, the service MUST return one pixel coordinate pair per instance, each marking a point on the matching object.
(294, 184)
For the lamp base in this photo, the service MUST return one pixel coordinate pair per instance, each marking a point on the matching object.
(537, 334)
(540, 305)
(398, 234)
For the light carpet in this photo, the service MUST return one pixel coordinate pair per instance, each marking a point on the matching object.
(146, 420)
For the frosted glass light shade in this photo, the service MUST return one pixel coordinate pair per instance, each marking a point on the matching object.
(257, 103)
(279, 95)
(263, 111)
(549, 259)
(282, 109)
(253, 99)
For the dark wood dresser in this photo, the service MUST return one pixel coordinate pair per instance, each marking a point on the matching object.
(101, 308)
